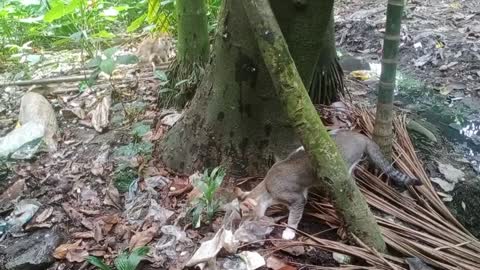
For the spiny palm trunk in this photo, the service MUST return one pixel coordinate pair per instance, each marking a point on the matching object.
(383, 132)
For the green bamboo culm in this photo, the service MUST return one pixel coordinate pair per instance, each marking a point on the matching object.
(328, 163)
(327, 84)
(383, 131)
(193, 50)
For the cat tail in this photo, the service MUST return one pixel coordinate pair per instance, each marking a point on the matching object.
(378, 159)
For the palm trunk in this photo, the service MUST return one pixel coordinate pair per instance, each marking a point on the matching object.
(383, 132)
(325, 157)
(327, 83)
(192, 49)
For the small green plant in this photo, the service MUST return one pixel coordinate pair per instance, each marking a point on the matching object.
(207, 205)
(123, 178)
(124, 261)
(107, 62)
(139, 130)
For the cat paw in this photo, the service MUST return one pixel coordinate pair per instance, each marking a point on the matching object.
(288, 234)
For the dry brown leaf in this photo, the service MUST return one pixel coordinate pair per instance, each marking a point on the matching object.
(276, 263)
(77, 255)
(44, 215)
(110, 221)
(100, 115)
(87, 223)
(97, 232)
(89, 212)
(83, 235)
(97, 253)
(72, 252)
(38, 226)
(143, 238)
(72, 213)
(13, 191)
(112, 197)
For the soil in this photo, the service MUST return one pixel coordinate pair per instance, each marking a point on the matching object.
(440, 59)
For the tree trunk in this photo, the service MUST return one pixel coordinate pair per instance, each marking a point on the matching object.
(326, 159)
(192, 49)
(192, 46)
(235, 118)
(383, 131)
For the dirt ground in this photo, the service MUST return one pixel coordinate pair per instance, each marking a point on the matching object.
(80, 205)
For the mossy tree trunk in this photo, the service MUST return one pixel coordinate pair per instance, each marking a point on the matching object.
(193, 48)
(328, 162)
(383, 131)
(235, 118)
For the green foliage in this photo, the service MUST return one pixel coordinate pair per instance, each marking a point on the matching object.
(67, 23)
(124, 261)
(139, 130)
(107, 62)
(206, 205)
(135, 148)
(123, 178)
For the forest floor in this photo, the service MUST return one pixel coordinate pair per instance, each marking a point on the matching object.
(73, 196)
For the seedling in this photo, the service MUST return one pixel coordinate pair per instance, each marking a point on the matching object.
(207, 205)
(124, 261)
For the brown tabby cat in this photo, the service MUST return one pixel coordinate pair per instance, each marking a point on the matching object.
(288, 181)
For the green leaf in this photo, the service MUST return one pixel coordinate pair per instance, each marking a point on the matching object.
(161, 75)
(127, 59)
(181, 82)
(140, 129)
(98, 263)
(197, 215)
(153, 9)
(93, 77)
(136, 23)
(94, 62)
(130, 262)
(59, 9)
(107, 66)
(165, 90)
(110, 52)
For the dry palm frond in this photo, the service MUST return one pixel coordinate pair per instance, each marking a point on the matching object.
(417, 224)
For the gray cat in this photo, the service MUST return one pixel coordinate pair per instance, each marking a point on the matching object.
(288, 181)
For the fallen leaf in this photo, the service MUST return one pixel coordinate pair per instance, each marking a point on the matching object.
(100, 115)
(112, 197)
(142, 238)
(13, 192)
(83, 235)
(89, 212)
(72, 213)
(110, 221)
(38, 226)
(77, 255)
(44, 215)
(97, 232)
(276, 263)
(72, 252)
